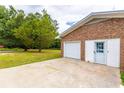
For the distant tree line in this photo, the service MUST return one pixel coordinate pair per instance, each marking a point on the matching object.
(56, 44)
(33, 30)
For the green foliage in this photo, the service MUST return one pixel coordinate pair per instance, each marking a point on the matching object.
(9, 20)
(45, 31)
(35, 30)
(56, 44)
(122, 77)
(24, 33)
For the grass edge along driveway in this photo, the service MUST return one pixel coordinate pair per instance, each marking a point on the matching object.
(17, 58)
(122, 78)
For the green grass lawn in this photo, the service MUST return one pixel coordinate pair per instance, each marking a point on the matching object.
(122, 77)
(18, 57)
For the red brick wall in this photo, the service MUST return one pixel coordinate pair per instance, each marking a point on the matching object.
(112, 28)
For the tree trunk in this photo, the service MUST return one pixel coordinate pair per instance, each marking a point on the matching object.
(39, 49)
(25, 49)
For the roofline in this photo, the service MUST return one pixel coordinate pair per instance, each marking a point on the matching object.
(92, 15)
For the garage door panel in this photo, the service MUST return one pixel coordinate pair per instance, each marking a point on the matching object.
(89, 51)
(113, 55)
(72, 50)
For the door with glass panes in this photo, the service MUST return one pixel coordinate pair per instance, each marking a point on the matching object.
(99, 52)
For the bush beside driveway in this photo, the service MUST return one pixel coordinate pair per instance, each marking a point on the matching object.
(122, 77)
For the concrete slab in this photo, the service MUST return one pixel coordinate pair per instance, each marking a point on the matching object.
(60, 73)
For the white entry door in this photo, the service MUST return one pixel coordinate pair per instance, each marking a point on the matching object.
(99, 52)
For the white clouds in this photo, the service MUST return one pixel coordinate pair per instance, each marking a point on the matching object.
(29, 8)
(73, 13)
(66, 13)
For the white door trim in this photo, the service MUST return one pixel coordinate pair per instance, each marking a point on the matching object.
(72, 41)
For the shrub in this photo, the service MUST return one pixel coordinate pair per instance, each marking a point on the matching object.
(122, 77)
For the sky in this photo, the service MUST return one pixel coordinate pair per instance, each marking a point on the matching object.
(67, 15)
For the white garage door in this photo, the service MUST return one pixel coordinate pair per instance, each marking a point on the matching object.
(72, 49)
(103, 51)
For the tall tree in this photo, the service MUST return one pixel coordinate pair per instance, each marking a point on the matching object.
(10, 19)
(38, 30)
(25, 31)
(46, 31)
(35, 30)
(4, 16)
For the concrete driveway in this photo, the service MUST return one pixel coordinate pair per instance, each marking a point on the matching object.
(61, 72)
